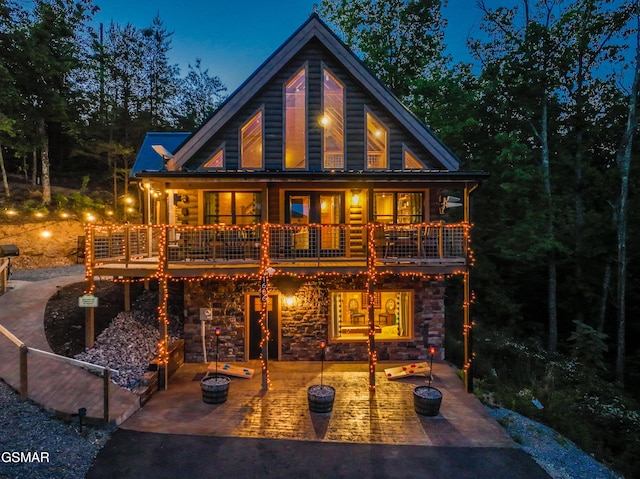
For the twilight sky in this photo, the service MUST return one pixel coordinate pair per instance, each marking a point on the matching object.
(234, 37)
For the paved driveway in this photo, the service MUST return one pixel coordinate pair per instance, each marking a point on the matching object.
(133, 454)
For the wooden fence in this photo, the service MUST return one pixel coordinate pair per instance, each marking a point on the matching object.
(24, 350)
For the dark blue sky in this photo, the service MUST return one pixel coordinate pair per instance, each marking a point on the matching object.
(234, 37)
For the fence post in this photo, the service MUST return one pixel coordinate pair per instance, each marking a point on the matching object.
(24, 375)
(107, 392)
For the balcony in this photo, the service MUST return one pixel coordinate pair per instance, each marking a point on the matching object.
(191, 251)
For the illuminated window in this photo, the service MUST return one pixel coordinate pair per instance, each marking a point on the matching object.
(398, 207)
(232, 208)
(216, 161)
(393, 316)
(411, 161)
(377, 147)
(251, 139)
(295, 155)
(332, 122)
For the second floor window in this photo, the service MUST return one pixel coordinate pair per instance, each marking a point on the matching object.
(295, 154)
(232, 208)
(332, 122)
(377, 144)
(398, 207)
(251, 139)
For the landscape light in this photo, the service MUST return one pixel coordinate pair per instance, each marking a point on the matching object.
(46, 234)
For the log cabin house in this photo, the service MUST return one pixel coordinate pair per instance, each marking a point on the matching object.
(312, 205)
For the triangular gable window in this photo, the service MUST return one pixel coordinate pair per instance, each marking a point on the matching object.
(411, 161)
(216, 161)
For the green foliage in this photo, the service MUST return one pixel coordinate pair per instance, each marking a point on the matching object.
(577, 403)
(589, 346)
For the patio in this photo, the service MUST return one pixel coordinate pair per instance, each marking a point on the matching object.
(282, 412)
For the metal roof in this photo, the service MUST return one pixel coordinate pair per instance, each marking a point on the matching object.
(148, 159)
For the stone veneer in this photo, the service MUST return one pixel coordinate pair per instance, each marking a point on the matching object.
(303, 326)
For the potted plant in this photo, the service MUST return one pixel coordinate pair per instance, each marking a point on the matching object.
(427, 399)
(320, 396)
(215, 388)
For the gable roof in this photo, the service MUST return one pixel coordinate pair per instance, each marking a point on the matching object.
(314, 27)
(148, 159)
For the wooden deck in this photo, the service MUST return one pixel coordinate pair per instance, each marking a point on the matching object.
(188, 269)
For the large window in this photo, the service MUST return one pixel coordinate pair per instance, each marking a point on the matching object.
(295, 154)
(393, 318)
(251, 139)
(377, 147)
(232, 208)
(398, 207)
(332, 122)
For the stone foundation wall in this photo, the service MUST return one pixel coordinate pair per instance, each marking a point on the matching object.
(303, 325)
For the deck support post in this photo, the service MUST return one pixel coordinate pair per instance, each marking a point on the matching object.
(371, 277)
(467, 326)
(89, 313)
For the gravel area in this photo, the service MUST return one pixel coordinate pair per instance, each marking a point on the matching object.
(62, 451)
(40, 274)
(556, 454)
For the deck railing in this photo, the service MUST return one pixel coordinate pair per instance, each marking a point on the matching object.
(221, 244)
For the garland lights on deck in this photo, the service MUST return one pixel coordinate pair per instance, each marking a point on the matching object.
(265, 271)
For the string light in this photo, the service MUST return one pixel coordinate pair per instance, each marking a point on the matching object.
(374, 270)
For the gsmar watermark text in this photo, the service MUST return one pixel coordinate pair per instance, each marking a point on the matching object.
(22, 456)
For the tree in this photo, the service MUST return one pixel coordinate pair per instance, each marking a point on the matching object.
(399, 40)
(199, 95)
(52, 53)
(160, 76)
(525, 59)
(623, 160)
(9, 100)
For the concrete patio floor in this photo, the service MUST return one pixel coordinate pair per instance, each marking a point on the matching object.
(387, 417)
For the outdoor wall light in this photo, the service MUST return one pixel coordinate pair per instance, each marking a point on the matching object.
(290, 301)
(355, 197)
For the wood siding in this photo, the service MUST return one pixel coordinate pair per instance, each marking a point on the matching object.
(271, 100)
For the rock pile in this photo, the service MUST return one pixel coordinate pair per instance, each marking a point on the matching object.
(130, 342)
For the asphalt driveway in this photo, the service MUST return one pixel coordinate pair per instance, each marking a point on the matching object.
(133, 454)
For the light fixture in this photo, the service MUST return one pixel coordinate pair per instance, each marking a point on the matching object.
(290, 301)
(324, 120)
(355, 197)
(46, 234)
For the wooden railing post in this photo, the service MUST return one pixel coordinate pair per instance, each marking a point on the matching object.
(24, 373)
(107, 393)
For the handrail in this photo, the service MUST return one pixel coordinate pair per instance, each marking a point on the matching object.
(406, 244)
(72, 361)
(10, 336)
(24, 369)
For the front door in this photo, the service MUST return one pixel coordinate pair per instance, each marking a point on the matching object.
(255, 332)
(323, 208)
